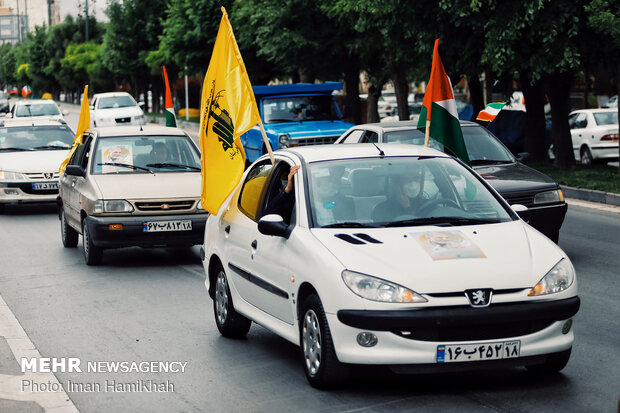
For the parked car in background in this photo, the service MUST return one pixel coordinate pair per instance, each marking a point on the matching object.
(36, 109)
(115, 109)
(612, 103)
(4, 104)
(131, 186)
(594, 133)
(30, 153)
(353, 277)
(386, 103)
(414, 113)
(516, 182)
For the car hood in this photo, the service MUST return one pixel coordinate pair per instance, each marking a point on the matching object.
(499, 256)
(514, 177)
(118, 112)
(309, 128)
(149, 186)
(32, 161)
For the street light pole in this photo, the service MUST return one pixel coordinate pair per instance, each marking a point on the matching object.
(86, 12)
(19, 24)
(186, 97)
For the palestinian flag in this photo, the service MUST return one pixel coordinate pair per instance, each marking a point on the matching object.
(171, 119)
(490, 112)
(439, 112)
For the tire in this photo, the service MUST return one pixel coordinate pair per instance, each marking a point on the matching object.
(554, 363)
(321, 365)
(586, 156)
(69, 235)
(92, 253)
(229, 322)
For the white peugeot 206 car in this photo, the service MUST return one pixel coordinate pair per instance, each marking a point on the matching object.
(394, 254)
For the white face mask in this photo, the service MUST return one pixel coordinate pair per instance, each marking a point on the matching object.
(411, 189)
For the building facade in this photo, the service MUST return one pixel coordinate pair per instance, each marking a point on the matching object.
(18, 17)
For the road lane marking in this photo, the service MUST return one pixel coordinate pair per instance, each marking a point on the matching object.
(21, 346)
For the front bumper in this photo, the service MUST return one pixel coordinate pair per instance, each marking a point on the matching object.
(132, 233)
(547, 219)
(412, 336)
(23, 192)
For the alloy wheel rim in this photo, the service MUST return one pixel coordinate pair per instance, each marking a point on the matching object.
(85, 239)
(63, 228)
(311, 333)
(221, 298)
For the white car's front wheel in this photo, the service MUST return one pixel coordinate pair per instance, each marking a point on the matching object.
(229, 322)
(321, 365)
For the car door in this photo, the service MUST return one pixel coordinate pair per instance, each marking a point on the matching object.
(71, 185)
(257, 263)
(577, 131)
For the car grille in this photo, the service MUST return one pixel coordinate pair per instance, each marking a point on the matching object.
(523, 199)
(41, 176)
(474, 332)
(123, 120)
(165, 205)
(315, 140)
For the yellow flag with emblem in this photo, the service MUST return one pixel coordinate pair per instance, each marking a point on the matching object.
(228, 110)
(83, 124)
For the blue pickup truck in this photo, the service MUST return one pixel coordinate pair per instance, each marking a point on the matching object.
(295, 115)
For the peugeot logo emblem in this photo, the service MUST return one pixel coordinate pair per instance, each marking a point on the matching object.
(165, 206)
(48, 175)
(480, 297)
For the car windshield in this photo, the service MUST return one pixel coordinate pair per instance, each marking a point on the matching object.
(145, 154)
(35, 137)
(606, 118)
(482, 147)
(399, 191)
(299, 108)
(36, 109)
(115, 102)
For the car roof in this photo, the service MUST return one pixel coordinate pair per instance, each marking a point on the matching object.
(38, 101)
(595, 110)
(403, 124)
(134, 130)
(108, 94)
(315, 153)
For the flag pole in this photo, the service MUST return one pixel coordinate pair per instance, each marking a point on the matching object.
(427, 133)
(267, 143)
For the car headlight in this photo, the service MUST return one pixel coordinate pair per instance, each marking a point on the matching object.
(376, 289)
(548, 197)
(284, 140)
(112, 205)
(558, 279)
(199, 206)
(139, 118)
(12, 176)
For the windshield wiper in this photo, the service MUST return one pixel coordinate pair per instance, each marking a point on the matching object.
(445, 221)
(15, 149)
(488, 162)
(350, 224)
(51, 147)
(176, 165)
(126, 165)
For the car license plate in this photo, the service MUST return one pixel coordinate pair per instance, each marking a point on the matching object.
(481, 351)
(160, 226)
(41, 186)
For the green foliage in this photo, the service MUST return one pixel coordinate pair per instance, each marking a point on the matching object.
(7, 64)
(23, 73)
(597, 177)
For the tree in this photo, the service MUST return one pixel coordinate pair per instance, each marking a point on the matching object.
(7, 64)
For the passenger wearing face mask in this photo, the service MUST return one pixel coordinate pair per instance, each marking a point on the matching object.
(405, 198)
(283, 203)
(329, 205)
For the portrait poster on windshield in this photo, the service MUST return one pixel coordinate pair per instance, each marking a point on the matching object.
(119, 154)
(448, 245)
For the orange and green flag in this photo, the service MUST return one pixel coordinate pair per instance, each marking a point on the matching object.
(171, 119)
(439, 112)
(83, 124)
(228, 110)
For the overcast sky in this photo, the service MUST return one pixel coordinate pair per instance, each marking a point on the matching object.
(95, 8)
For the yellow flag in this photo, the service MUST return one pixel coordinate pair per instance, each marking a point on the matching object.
(228, 110)
(83, 124)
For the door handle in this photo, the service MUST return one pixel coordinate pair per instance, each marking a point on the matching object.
(227, 229)
(254, 244)
(73, 183)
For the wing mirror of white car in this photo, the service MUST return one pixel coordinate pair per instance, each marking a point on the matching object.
(65, 112)
(519, 208)
(273, 224)
(91, 107)
(75, 170)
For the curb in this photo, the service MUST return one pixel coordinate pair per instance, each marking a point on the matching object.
(591, 195)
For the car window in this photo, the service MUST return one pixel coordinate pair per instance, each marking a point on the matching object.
(370, 137)
(571, 120)
(483, 147)
(249, 199)
(115, 102)
(155, 153)
(37, 109)
(392, 189)
(410, 136)
(299, 108)
(40, 137)
(606, 118)
(82, 153)
(581, 121)
(353, 137)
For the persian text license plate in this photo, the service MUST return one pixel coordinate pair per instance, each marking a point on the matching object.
(38, 186)
(474, 352)
(159, 226)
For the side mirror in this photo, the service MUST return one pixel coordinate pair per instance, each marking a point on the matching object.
(523, 157)
(65, 112)
(91, 107)
(273, 224)
(8, 115)
(522, 211)
(141, 104)
(75, 170)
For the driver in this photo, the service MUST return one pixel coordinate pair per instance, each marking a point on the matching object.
(404, 197)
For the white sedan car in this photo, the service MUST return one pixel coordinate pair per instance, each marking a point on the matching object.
(394, 254)
(115, 109)
(36, 109)
(594, 133)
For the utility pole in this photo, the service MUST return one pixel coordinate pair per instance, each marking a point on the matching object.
(19, 25)
(49, 14)
(186, 96)
(86, 12)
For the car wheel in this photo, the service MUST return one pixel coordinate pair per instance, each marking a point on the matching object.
(554, 363)
(321, 365)
(69, 235)
(229, 322)
(92, 253)
(586, 157)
